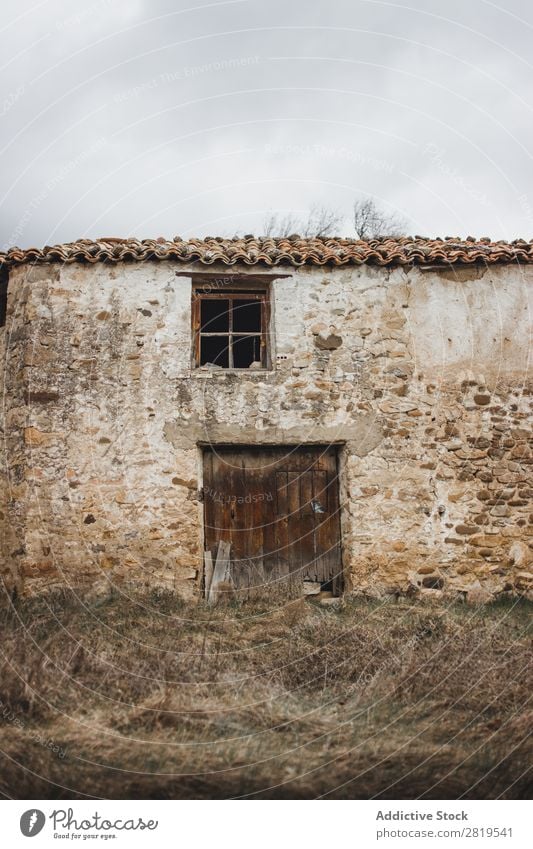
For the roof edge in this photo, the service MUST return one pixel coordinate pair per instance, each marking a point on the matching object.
(292, 251)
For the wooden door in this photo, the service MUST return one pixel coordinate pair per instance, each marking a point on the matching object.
(278, 508)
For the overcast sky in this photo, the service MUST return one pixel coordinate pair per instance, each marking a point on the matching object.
(131, 118)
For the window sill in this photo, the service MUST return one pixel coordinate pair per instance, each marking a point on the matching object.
(219, 372)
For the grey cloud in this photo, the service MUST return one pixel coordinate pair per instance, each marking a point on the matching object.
(138, 118)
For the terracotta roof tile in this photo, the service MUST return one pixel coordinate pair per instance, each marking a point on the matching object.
(294, 250)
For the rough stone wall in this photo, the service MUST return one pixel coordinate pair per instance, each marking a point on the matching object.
(422, 377)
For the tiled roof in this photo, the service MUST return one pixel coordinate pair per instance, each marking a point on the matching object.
(294, 250)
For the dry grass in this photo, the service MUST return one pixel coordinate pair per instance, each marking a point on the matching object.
(146, 697)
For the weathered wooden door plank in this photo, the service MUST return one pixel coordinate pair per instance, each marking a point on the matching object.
(208, 572)
(221, 572)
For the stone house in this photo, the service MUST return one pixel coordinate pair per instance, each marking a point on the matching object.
(332, 415)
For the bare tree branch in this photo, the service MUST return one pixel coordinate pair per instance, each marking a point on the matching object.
(280, 226)
(371, 222)
(320, 222)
